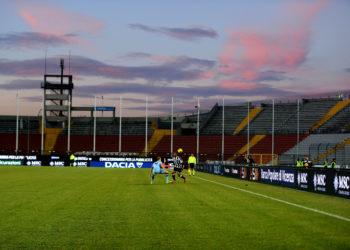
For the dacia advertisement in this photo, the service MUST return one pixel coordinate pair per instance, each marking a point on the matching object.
(120, 164)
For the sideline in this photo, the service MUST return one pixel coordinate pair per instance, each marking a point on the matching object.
(281, 201)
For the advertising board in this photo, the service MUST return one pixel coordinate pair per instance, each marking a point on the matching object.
(341, 183)
(254, 174)
(18, 157)
(304, 179)
(218, 169)
(125, 159)
(235, 171)
(120, 164)
(243, 173)
(320, 180)
(281, 176)
(33, 163)
(10, 162)
(227, 171)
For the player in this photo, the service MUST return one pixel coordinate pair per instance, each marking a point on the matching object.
(158, 168)
(177, 167)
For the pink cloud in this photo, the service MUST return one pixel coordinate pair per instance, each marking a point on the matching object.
(44, 17)
(163, 59)
(239, 86)
(29, 18)
(260, 52)
(208, 74)
(307, 10)
(248, 54)
(32, 40)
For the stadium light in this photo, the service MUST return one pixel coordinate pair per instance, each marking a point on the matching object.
(273, 132)
(172, 127)
(223, 131)
(94, 145)
(17, 111)
(197, 107)
(120, 124)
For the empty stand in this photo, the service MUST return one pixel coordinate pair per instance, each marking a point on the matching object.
(233, 117)
(338, 123)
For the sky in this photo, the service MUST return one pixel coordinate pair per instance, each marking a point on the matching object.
(208, 50)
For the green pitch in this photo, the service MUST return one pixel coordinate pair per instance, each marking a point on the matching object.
(101, 208)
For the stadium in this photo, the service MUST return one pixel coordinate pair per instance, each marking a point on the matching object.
(84, 206)
(174, 125)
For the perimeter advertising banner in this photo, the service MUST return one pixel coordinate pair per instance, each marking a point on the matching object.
(235, 172)
(304, 179)
(244, 172)
(281, 176)
(227, 171)
(218, 169)
(248, 173)
(120, 164)
(324, 181)
(124, 159)
(254, 173)
(10, 162)
(212, 169)
(320, 180)
(341, 183)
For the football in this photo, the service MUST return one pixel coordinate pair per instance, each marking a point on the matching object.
(180, 150)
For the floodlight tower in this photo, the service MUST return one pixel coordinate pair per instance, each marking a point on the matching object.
(57, 98)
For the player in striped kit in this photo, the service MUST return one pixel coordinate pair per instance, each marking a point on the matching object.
(178, 166)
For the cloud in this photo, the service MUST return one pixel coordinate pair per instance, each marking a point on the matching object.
(272, 75)
(188, 92)
(347, 70)
(177, 69)
(58, 25)
(32, 40)
(137, 55)
(159, 92)
(259, 53)
(46, 17)
(191, 33)
(18, 84)
(250, 56)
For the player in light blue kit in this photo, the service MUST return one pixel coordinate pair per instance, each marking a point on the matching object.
(158, 168)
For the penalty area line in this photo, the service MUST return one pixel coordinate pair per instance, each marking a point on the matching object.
(278, 200)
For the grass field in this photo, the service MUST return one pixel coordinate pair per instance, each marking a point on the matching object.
(47, 207)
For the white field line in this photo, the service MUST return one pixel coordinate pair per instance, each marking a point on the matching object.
(281, 201)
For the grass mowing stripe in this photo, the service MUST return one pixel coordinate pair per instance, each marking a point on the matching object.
(282, 201)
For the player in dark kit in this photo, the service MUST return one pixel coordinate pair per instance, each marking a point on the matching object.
(177, 168)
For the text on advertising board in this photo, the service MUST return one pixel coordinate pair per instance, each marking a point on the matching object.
(342, 184)
(278, 176)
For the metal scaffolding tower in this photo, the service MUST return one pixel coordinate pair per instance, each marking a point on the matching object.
(56, 97)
